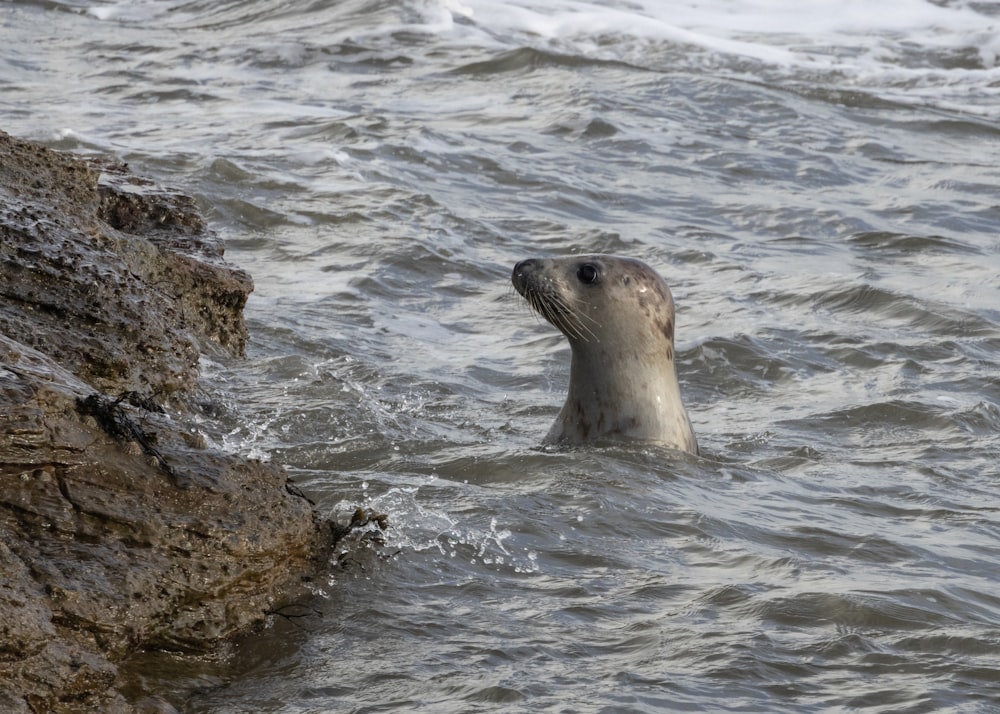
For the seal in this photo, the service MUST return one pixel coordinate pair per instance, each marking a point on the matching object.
(618, 315)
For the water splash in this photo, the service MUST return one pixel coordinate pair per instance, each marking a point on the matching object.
(419, 524)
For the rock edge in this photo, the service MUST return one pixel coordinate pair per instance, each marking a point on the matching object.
(119, 529)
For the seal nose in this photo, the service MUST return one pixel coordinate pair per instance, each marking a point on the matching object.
(520, 275)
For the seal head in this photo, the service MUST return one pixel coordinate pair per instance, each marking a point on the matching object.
(618, 315)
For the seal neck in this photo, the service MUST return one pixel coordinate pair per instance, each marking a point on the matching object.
(630, 394)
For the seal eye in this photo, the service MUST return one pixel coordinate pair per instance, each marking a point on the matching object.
(588, 273)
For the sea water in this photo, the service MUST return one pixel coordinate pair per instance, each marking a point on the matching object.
(816, 180)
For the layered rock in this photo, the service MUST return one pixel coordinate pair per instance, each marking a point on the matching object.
(119, 529)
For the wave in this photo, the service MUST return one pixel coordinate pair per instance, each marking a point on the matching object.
(913, 52)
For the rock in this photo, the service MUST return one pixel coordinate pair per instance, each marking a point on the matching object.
(119, 530)
(128, 266)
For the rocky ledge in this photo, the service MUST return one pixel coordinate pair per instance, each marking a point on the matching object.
(119, 528)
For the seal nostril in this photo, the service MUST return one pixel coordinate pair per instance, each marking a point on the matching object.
(520, 274)
(517, 277)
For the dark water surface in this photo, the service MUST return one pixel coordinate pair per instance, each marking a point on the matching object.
(817, 181)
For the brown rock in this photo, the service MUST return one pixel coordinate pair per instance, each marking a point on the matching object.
(116, 531)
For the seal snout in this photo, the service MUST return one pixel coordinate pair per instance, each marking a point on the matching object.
(521, 272)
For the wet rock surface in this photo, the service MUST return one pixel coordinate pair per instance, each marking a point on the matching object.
(119, 529)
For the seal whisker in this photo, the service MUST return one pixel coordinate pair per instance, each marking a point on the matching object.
(579, 313)
(535, 307)
(572, 311)
(560, 313)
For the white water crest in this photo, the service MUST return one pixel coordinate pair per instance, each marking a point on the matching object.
(910, 51)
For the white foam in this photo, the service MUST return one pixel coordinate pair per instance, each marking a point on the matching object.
(915, 50)
(134, 11)
(757, 28)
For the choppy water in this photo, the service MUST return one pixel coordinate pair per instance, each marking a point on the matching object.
(818, 181)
